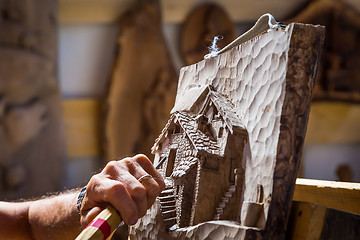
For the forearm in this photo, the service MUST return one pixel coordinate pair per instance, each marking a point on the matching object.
(14, 222)
(55, 217)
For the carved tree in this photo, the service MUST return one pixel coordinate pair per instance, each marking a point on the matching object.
(143, 83)
(31, 141)
(268, 81)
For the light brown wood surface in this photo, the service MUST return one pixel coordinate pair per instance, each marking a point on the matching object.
(339, 195)
(269, 81)
(143, 84)
(81, 118)
(333, 123)
(109, 11)
(306, 221)
(81, 121)
(310, 221)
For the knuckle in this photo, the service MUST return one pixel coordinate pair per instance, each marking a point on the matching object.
(138, 192)
(142, 159)
(110, 167)
(94, 182)
(127, 162)
(115, 191)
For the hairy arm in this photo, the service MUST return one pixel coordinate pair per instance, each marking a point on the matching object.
(55, 217)
(14, 220)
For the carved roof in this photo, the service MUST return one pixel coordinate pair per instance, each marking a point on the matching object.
(195, 99)
(184, 166)
(186, 113)
(189, 124)
(199, 139)
(226, 110)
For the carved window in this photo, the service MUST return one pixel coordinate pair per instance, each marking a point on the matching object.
(220, 133)
(177, 129)
(171, 162)
(203, 124)
(211, 163)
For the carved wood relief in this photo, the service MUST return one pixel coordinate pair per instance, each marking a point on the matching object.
(339, 71)
(201, 25)
(31, 142)
(143, 84)
(231, 148)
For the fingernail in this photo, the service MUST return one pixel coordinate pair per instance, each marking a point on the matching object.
(134, 220)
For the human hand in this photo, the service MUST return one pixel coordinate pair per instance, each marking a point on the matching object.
(117, 184)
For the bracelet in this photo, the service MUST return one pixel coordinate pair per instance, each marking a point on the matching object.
(80, 198)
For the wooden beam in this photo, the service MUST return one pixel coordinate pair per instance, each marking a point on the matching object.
(331, 122)
(306, 221)
(82, 117)
(328, 123)
(82, 120)
(313, 221)
(174, 11)
(339, 195)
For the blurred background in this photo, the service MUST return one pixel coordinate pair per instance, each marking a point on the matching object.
(87, 81)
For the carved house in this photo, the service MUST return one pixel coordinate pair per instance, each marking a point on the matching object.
(200, 154)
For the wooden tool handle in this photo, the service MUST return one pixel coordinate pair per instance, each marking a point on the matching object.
(103, 225)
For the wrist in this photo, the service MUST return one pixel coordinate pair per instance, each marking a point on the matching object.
(80, 199)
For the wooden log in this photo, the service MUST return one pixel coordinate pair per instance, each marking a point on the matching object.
(142, 86)
(31, 138)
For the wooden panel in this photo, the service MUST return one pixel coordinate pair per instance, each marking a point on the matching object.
(339, 195)
(306, 221)
(331, 122)
(92, 11)
(174, 11)
(81, 120)
(309, 221)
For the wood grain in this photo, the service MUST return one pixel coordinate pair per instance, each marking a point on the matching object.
(82, 126)
(339, 195)
(306, 221)
(310, 221)
(109, 11)
(82, 116)
(333, 123)
(269, 81)
(142, 86)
